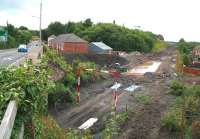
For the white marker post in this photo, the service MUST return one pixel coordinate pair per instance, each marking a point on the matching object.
(78, 72)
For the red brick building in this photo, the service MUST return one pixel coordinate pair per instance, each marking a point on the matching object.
(69, 43)
(196, 55)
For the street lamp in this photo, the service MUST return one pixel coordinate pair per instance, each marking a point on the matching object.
(40, 25)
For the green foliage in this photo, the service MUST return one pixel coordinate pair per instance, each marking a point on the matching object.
(177, 88)
(113, 122)
(185, 59)
(23, 28)
(158, 45)
(144, 99)
(23, 36)
(172, 119)
(11, 42)
(56, 28)
(183, 46)
(17, 36)
(87, 70)
(184, 110)
(49, 129)
(185, 49)
(52, 55)
(29, 86)
(87, 23)
(118, 37)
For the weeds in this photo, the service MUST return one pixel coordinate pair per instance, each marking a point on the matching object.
(184, 111)
(113, 122)
(144, 99)
(49, 129)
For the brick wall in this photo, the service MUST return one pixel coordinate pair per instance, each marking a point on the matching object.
(77, 47)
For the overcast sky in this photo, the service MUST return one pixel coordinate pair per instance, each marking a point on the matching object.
(174, 19)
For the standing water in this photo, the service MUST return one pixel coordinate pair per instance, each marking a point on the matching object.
(149, 67)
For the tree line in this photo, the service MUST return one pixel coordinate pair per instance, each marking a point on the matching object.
(185, 50)
(16, 36)
(118, 37)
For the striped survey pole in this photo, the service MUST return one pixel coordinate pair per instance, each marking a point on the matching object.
(116, 76)
(115, 99)
(78, 73)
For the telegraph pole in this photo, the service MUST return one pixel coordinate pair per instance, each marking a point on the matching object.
(41, 23)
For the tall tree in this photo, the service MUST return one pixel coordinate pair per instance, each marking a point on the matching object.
(23, 28)
(12, 31)
(56, 28)
(87, 22)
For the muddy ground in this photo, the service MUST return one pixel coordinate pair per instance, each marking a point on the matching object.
(144, 120)
(100, 59)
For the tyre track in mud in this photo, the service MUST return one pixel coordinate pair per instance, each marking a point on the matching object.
(77, 115)
(145, 122)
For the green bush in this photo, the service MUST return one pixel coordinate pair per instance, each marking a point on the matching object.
(177, 88)
(159, 45)
(112, 127)
(172, 120)
(191, 107)
(49, 129)
(186, 59)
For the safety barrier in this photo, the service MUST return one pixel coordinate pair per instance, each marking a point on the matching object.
(191, 70)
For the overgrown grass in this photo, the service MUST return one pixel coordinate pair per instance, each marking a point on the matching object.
(184, 111)
(49, 129)
(144, 99)
(172, 119)
(112, 127)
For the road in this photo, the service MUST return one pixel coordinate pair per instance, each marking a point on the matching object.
(10, 56)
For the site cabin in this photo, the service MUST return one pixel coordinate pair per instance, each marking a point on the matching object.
(99, 48)
(69, 43)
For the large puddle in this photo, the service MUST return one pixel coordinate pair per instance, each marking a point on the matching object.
(151, 66)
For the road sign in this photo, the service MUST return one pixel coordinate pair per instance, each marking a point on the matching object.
(3, 34)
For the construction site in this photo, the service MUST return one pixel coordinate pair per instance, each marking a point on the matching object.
(142, 91)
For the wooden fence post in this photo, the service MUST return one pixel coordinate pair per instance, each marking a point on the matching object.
(8, 120)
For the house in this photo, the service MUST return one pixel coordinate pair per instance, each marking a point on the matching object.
(99, 48)
(196, 55)
(69, 43)
(50, 38)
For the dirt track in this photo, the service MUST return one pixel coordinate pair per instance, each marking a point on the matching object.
(144, 123)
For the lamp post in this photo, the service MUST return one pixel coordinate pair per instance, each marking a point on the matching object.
(40, 24)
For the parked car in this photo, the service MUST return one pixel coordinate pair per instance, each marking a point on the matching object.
(22, 48)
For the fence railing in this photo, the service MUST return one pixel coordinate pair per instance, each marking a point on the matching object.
(8, 120)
